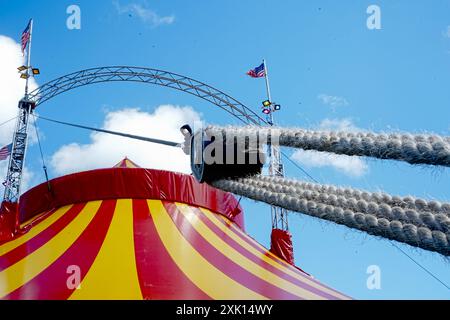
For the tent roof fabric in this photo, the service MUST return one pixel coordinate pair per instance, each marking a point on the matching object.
(132, 183)
(126, 163)
(133, 233)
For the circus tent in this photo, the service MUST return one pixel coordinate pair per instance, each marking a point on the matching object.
(132, 233)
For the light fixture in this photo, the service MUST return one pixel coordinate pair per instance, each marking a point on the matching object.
(36, 71)
(277, 107)
(266, 111)
(266, 103)
(24, 76)
(186, 130)
(22, 68)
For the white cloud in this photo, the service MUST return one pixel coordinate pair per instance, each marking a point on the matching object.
(12, 87)
(12, 90)
(106, 150)
(338, 125)
(332, 101)
(349, 165)
(147, 15)
(28, 178)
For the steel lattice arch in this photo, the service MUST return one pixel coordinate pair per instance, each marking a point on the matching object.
(146, 75)
(105, 74)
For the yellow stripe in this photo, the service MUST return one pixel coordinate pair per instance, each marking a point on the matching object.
(237, 229)
(212, 217)
(33, 219)
(208, 278)
(240, 259)
(113, 275)
(130, 164)
(240, 231)
(11, 245)
(26, 269)
(234, 227)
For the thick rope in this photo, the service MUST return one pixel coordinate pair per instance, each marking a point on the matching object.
(408, 202)
(386, 227)
(414, 149)
(372, 204)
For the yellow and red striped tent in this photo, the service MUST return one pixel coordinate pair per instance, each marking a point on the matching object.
(133, 233)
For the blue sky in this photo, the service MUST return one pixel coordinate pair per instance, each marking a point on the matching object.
(396, 78)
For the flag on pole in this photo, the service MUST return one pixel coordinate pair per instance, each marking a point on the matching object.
(5, 152)
(258, 72)
(26, 35)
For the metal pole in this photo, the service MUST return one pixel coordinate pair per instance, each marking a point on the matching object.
(266, 76)
(279, 215)
(17, 156)
(269, 95)
(29, 59)
(269, 146)
(116, 133)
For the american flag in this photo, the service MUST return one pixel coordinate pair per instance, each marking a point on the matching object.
(258, 72)
(26, 34)
(5, 152)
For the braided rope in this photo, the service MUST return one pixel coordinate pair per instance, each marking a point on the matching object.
(386, 227)
(408, 202)
(414, 149)
(379, 208)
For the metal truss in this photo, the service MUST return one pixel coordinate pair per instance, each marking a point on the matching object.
(146, 75)
(276, 168)
(170, 80)
(112, 74)
(17, 158)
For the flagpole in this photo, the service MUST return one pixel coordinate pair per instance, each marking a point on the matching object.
(269, 97)
(266, 77)
(29, 59)
(19, 145)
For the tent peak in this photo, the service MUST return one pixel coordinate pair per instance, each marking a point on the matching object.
(126, 163)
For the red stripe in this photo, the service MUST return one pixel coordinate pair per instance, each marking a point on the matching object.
(222, 262)
(237, 231)
(249, 241)
(26, 226)
(159, 277)
(125, 183)
(51, 284)
(246, 238)
(39, 240)
(236, 246)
